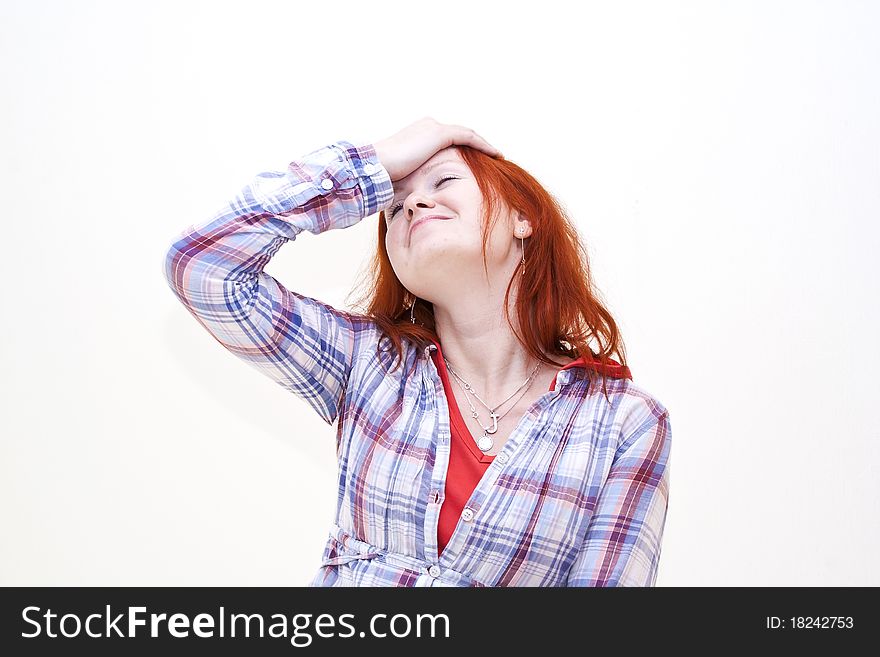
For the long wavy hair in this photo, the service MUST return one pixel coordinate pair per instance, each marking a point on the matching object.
(559, 310)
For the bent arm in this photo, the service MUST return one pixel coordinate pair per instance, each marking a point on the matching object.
(216, 271)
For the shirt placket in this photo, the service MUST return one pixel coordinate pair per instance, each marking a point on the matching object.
(438, 474)
(440, 564)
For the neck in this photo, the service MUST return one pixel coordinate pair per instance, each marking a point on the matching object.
(477, 340)
(484, 352)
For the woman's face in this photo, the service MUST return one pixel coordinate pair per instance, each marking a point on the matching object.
(434, 257)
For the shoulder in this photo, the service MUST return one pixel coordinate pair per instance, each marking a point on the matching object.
(629, 409)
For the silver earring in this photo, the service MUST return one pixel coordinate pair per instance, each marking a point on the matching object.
(523, 247)
(412, 311)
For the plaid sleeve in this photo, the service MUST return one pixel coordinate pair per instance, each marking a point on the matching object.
(622, 544)
(215, 269)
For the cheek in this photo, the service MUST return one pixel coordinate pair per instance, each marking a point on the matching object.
(394, 240)
(394, 234)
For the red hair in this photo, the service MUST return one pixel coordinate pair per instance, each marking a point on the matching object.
(557, 306)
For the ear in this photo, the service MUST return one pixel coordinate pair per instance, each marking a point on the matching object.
(521, 227)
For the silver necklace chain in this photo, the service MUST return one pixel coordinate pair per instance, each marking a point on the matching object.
(485, 442)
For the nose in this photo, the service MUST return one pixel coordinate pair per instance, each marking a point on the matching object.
(414, 201)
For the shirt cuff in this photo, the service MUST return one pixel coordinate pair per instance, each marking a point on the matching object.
(372, 178)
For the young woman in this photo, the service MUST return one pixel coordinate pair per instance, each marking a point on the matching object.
(476, 446)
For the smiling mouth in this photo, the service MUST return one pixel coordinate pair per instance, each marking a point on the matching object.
(425, 220)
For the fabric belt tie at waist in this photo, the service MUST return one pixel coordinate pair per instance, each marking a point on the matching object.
(345, 558)
(351, 549)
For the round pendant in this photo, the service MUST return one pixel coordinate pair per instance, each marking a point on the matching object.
(484, 443)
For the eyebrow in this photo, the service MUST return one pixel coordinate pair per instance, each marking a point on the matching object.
(431, 166)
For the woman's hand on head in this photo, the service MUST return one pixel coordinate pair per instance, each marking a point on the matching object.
(405, 151)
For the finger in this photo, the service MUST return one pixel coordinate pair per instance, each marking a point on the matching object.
(469, 137)
(486, 146)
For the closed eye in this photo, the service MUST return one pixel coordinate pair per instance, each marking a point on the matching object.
(394, 208)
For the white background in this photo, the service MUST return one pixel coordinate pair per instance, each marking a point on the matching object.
(721, 160)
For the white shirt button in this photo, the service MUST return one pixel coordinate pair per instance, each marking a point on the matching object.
(502, 458)
(369, 169)
(467, 515)
(327, 183)
(434, 571)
